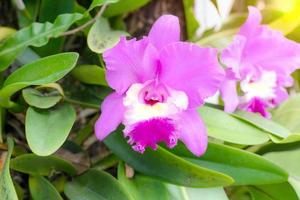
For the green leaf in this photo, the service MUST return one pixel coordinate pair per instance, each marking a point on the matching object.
(295, 183)
(36, 35)
(287, 114)
(50, 9)
(47, 130)
(97, 3)
(263, 123)
(164, 165)
(41, 189)
(124, 6)
(7, 190)
(96, 185)
(225, 127)
(42, 71)
(29, 15)
(286, 156)
(244, 167)
(180, 193)
(90, 74)
(147, 188)
(142, 187)
(101, 37)
(274, 191)
(37, 99)
(41, 165)
(191, 22)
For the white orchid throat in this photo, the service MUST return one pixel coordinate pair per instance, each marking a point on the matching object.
(263, 88)
(137, 110)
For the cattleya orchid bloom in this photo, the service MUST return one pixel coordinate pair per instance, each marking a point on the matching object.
(159, 82)
(261, 61)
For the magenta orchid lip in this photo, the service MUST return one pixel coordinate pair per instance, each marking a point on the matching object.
(159, 83)
(260, 60)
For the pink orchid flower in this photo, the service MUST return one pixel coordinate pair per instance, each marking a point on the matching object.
(261, 61)
(159, 82)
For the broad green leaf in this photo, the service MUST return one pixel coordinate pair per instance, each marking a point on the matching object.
(263, 123)
(244, 167)
(124, 6)
(50, 9)
(37, 99)
(7, 190)
(225, 127)
(101, 37)
(97, 3)
(287, 115)
(147, 188)
(41, 189)
(96, 185)
(29, 15)
(90, 74)
(47, 130)
(295, 182)
(37, 34)
(274, 191)
(180, 193)
(41, 165)
(42, 71)
(286, 156)
(164, 165)
(142, 187)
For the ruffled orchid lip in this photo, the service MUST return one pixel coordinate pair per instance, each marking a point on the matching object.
(150, 132)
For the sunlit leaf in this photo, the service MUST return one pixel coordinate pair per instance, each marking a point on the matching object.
(101, 37)
(225, 127)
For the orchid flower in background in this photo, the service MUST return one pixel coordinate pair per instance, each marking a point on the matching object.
(209, 16)
(159, 83)
(259, 62)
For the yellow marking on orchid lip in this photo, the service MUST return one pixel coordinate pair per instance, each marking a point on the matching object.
(289, 21)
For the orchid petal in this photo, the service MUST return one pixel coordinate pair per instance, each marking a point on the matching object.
(112, 111)
(192, 132)
(189, 68)
(252, 22)
(130, 62)
(165, 30)
(229, 95)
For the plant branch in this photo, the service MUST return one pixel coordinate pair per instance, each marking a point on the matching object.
(75, 30)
